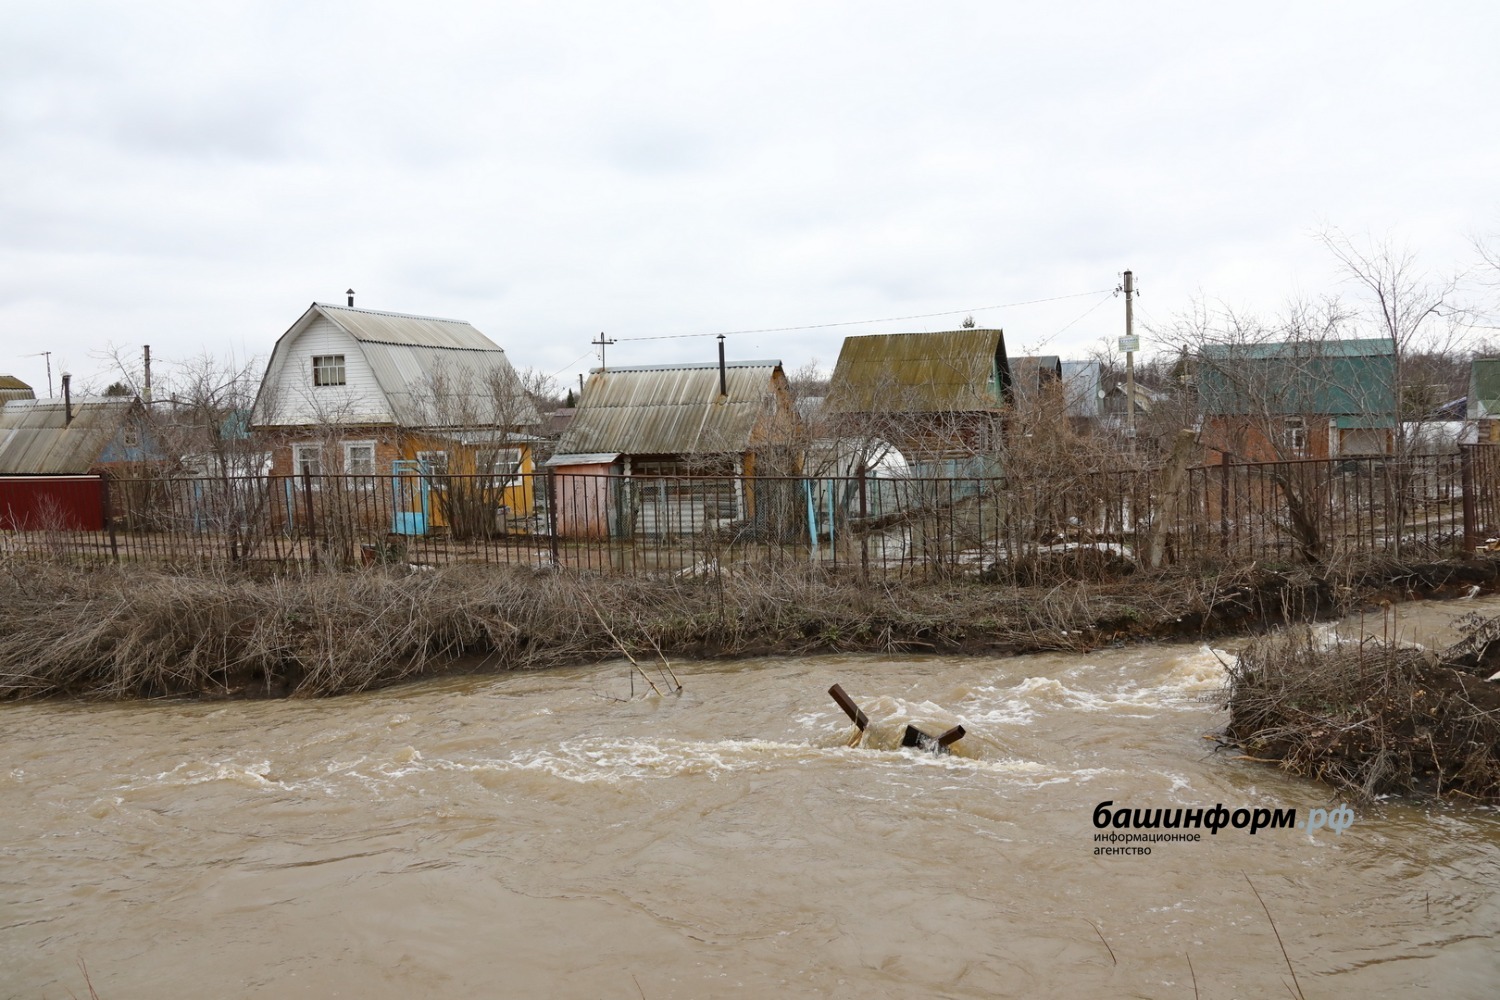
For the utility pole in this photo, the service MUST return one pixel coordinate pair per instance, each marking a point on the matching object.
(146, 389)
(1129, 344)
(602, 345)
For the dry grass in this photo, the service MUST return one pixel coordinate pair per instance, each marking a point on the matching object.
(133, 632)
(129, 631)
(1369, 717)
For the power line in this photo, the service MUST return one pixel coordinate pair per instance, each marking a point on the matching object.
(570, 364)
(862, 322)
(1033, 348)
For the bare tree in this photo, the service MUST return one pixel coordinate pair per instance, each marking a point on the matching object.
(1423, 318)
(1419, 313)
(477, 419)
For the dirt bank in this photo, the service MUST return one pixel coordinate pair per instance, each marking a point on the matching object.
(130, 632)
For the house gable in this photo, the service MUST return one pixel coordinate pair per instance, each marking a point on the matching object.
(398, 370)
(957, 371)
(288, 397)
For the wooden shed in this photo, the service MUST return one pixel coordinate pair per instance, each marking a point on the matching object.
(679, 442)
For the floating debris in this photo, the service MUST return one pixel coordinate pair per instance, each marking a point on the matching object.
(913, 736)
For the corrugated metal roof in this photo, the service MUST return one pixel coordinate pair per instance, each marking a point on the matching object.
(479, 387)
(401, 328)
(411, 355)
(1366, 347)
(36, 439)
(953, 371)
(587, 458)
(1330, 377)
(1050, 364)
(13, 388)
(670, 410)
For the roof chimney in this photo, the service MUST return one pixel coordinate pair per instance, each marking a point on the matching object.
(723, 380)
(67, 399)
(350, 293)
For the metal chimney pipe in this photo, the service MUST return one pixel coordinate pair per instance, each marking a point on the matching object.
(350, 293)
(67, 399)
(723, 378)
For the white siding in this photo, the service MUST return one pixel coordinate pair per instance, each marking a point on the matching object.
(297, 401)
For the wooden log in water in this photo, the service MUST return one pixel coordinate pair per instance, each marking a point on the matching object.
(850, 709)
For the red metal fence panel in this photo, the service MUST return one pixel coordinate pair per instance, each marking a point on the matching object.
(60, 503)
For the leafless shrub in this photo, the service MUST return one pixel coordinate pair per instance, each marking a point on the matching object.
(131, 632)
(1368, 716)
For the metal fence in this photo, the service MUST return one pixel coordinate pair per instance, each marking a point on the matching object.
(1010, 530)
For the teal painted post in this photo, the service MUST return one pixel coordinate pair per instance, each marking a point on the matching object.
(812, 517)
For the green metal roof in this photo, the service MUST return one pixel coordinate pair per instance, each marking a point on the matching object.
(1366, 347)
(1484, 388)
(1332, 377)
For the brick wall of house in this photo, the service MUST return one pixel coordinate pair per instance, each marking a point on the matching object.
(281, 441)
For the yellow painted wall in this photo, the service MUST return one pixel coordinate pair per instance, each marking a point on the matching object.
(519, 498)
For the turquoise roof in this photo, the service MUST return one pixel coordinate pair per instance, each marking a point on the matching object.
(1484, 388)
(1345, 378)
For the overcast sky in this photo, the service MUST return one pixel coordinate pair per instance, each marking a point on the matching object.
(192, 175)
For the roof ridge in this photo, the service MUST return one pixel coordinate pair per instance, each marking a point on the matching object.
(387, 312)
(435, 347)
(686, 366)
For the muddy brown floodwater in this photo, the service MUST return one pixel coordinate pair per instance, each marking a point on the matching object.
(531, 835)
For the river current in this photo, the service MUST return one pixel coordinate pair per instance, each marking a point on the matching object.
(548, 835)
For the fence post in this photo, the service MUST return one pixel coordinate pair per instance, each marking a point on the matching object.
(312, 524)
(552, 501)
(812, 518)
(864, 534)
(109, 520)
(1224, 504)
(1471, 517)
(1169, 490)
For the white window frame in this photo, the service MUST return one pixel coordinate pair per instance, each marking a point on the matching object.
(349, 447)
(505, 467)
(437, 471)
(1294, 434)
(329, 369)
(301, 449)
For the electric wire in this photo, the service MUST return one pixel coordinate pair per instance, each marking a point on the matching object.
(1033, 348)
(863, 322)
(570, 364)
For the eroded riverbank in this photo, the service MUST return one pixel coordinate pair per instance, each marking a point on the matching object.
(128, 632)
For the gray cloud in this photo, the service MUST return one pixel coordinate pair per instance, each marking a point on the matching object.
(549, 171)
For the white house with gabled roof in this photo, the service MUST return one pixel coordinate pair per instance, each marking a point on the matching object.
(350, 391)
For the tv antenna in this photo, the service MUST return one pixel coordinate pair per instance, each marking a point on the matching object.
(48, 356)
